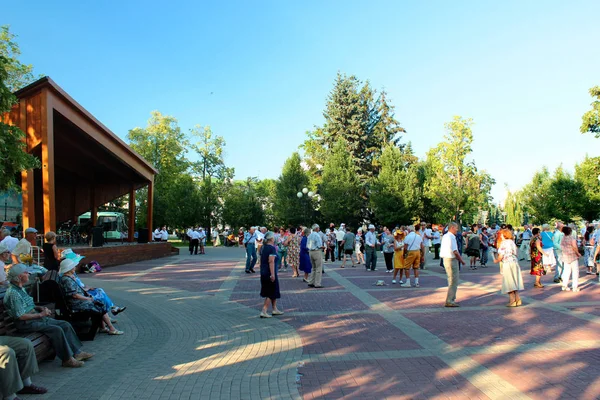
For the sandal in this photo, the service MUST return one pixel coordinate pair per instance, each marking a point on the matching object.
(115, 332)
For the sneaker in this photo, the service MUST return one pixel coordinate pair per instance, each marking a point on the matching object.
(417, 284)
(575, 290)
(393, 281)
(72, 363)
(81, 356)
(566, 289)
(277, 312)
(264, 315)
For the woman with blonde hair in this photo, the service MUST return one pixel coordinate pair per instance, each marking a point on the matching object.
(359, 244)
(512, 280)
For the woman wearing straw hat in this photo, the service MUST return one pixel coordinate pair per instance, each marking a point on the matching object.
(79, 300)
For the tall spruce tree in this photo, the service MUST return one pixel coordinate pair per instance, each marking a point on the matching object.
(363, 121)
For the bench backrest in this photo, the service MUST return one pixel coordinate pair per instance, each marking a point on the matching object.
(7, 326)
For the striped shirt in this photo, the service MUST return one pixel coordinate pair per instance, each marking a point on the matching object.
(17, 302)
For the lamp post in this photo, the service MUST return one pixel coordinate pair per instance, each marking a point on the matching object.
(307, 194)
(484, 215)
(504, 216)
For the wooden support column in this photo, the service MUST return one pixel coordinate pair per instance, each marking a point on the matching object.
(150, 207)
(47, 113)
(28, 191)
(131, 214)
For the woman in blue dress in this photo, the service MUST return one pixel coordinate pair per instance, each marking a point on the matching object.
(269, 283)
(305, 265)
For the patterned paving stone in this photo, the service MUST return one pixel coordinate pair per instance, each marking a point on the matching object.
(368, 282)
(548, 375)
(423, 298)
(347, 334)
(417, 378)
(311, 300)
(506, 326)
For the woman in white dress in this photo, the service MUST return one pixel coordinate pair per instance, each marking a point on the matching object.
(512, 281)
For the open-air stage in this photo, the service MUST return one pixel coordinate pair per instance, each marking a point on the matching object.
(118, 253)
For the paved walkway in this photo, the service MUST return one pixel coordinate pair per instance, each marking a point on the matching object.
(193, 332)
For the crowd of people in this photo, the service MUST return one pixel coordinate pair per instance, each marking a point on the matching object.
(17, 356)
(405, 249)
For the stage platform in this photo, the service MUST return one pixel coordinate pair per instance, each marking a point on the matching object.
(118, 253)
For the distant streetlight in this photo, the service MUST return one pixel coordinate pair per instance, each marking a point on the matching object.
(305, 190)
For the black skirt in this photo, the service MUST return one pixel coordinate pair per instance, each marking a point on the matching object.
(269, 289)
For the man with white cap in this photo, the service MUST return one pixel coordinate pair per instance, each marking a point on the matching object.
(8, 240)
(315, 248)
(29, 318)
(370, 243)
(24, 245)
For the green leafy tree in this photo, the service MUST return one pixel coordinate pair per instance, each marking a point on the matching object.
(340, 189)
(242, 206)
(212, 173)
(163, 145)
(455, 184)
(567, 196)
(587, 173)
(591, 119)
(12, 144)
(536, 197)
(287, 208)
(513, 206)
(395, 196)
(17, 74)
(265, 190)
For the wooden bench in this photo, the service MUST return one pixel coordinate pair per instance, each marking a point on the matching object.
(86, 323)
(41, 343)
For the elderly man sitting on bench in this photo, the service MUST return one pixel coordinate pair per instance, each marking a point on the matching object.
(31, 318)
(17, 364)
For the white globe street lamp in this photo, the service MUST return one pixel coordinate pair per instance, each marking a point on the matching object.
(299, 194)
(305, 190)
(310, 194)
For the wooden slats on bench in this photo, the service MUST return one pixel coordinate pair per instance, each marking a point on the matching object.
(41, 343)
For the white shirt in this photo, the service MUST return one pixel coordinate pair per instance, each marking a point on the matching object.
(156, 234)
(437, 238)
(10, 242)
(427, 232)
(413, 241)
(259, 236)
(448, 246)
(526, 235)
(339, 234)
(164, 235)
(193, 235)
(22, 247)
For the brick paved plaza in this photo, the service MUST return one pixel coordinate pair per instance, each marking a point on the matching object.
(193, 332)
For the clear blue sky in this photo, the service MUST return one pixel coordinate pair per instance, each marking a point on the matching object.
(520, 69)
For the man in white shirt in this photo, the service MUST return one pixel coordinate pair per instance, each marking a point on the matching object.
(426, 234)
(315, 249)
(164, 234)
(156, 235)
(370, 244)
(23, 247)
(7, 240)
(339, 237)
(437, 242)
(414, 250)
(193, 235)
(260, 235)
(449, 252)
(525, 250)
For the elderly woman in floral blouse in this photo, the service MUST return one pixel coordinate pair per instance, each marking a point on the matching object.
(80, 300)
